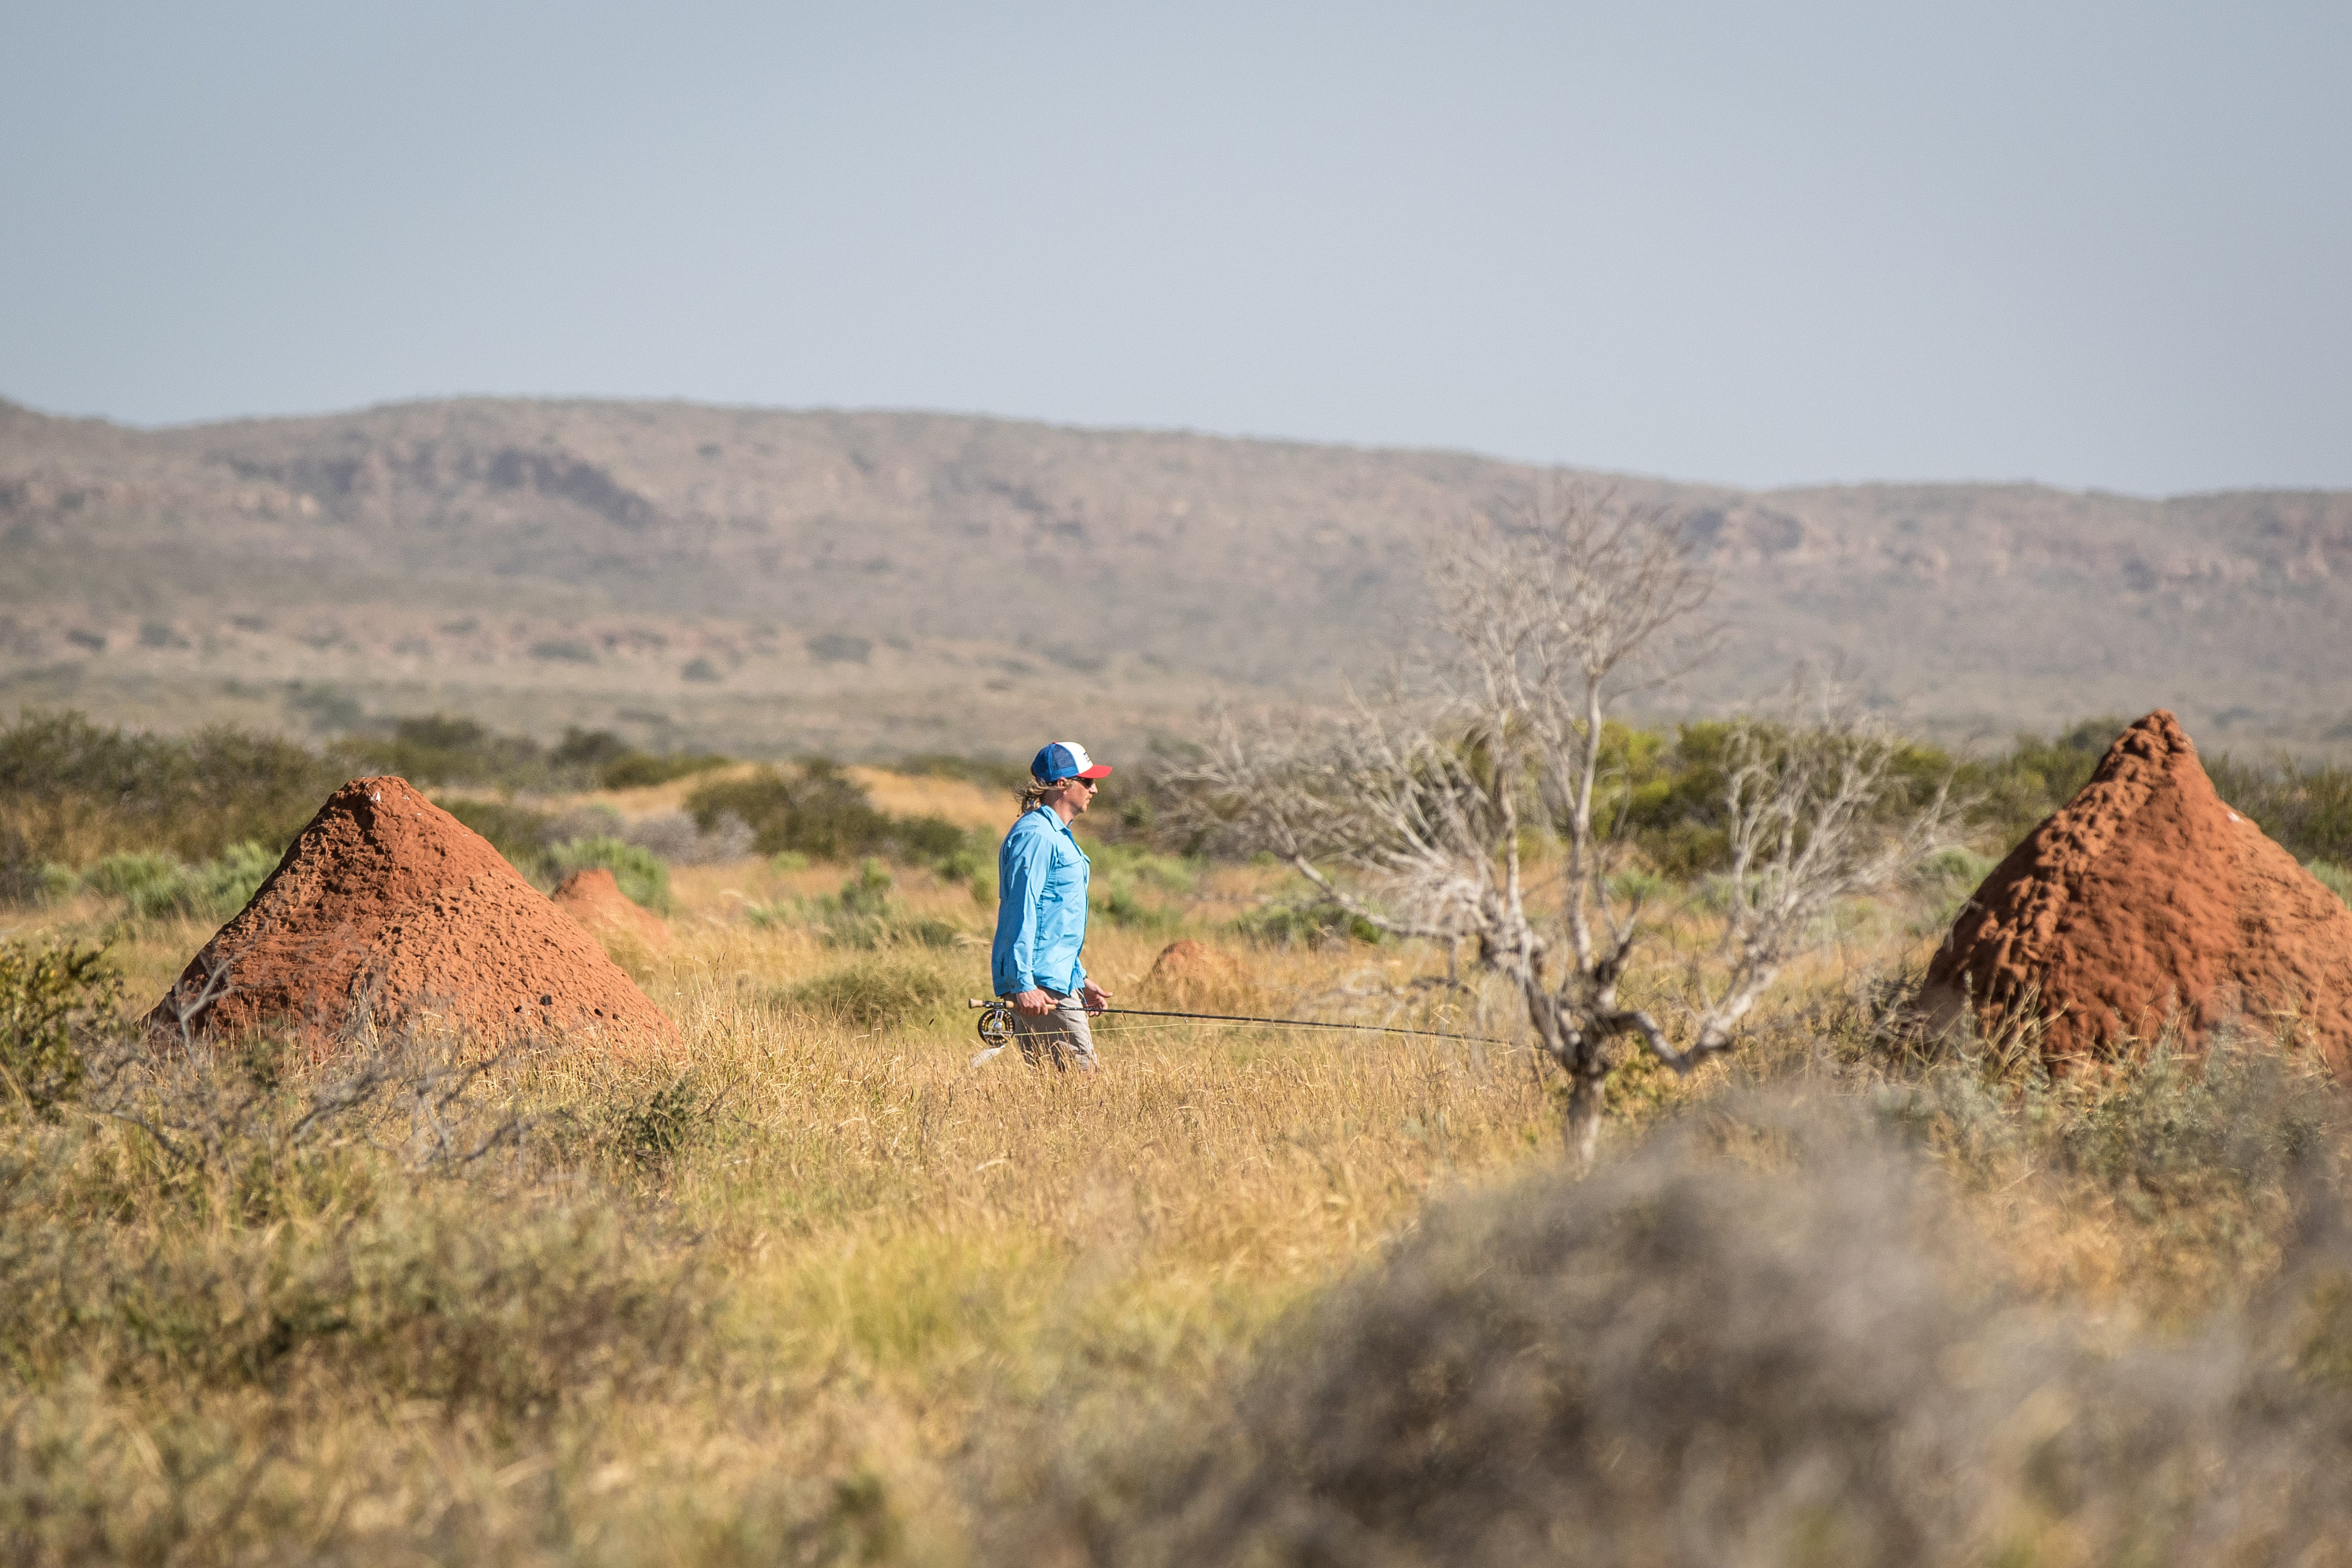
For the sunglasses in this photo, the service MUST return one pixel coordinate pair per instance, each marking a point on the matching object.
(1091, 784)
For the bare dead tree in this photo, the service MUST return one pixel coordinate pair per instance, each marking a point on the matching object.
(1417, 813)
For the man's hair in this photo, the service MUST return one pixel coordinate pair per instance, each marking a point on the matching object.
(1032, 795)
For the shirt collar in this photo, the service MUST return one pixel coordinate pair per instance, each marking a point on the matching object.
(1054, 820)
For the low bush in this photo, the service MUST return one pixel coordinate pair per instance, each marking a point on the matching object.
(149, 884)
(815, 810)
(234, 1220)
(446, 751)
(614, 764)
(51, 999)
(879, 992)
(864, 913)
(1770, 1335)
(649, 1133)
(1945, 881)
(155, 886)
(638, 770)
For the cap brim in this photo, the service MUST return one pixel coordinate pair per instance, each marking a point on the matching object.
(1099, 771)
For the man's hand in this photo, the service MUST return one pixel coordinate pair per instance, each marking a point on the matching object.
(1094, 998)
(1034, 1001)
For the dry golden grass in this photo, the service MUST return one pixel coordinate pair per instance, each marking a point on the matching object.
(910, 1272)
(958, 800)
(906, 1253)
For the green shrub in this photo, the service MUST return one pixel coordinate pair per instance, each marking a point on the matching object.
(155, 886)
(642, 875)
(864, 913)
(2015, 790)
(871, 993)
(971, 861)
(614, 764)
(816, 810)
(49, 998)
(871, 894)
(228, 883)
(639, 770)
(1946, 881)
(151, 884)
(591, 750)
(653, 1132)
(2337, 879)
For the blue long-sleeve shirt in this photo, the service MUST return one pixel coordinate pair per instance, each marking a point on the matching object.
(1041, 909)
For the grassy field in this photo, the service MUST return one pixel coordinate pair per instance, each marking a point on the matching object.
(813, 1290)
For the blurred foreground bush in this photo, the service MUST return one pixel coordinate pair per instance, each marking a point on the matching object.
(1769, 1336)
(209, 1257)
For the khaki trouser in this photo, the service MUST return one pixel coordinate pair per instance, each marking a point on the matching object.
(1063, 1037)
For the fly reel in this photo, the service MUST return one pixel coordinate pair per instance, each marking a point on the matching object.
(995, 1023)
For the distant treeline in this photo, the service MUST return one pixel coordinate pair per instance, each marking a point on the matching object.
(73, 792)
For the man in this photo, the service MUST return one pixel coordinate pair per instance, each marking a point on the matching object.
(1041, 913)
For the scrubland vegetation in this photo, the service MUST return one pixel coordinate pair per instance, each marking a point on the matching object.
(812, 1290)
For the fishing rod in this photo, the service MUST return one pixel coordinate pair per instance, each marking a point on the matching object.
(996, 1023)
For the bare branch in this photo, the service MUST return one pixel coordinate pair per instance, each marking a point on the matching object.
(1419, 811)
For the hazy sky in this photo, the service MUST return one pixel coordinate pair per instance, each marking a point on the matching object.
(2096, 244)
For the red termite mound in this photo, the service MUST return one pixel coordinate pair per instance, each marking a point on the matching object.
(389, 903)
(594, 898)
(2146, 899)
(1189, 974)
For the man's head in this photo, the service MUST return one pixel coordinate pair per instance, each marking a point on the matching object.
(1067, 777)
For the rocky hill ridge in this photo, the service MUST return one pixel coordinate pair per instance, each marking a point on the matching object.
(1194, 558)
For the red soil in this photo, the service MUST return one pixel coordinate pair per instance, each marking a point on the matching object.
(2144, 899)
(595, 900)
(389, 902)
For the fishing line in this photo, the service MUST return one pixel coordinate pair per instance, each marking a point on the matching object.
(996, 1023)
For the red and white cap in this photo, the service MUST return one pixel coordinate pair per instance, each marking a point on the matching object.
(1065, 759)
